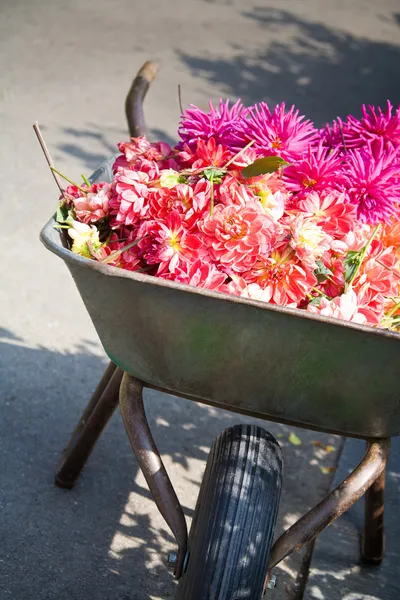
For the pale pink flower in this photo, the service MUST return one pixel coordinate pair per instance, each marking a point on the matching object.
(93, 206)
(200, 274)
(129, 202)
(232, 192)
(236, 235)
(140, 148)
(333, 213)
(343, 307)
(309, 240)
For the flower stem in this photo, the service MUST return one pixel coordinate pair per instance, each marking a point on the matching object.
(211, 198)
(47, 155)
(69, 180)
(85, 180)
(231, 160)
(319, 292)
(393, 310)
(388, 268)
(116, 253)
(362, 256)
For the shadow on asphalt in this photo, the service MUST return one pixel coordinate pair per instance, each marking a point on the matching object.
(324, 71)
(101, 540)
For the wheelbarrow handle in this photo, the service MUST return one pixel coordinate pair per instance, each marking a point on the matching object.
(135, 97)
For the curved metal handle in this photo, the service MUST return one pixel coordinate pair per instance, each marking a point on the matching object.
(135, 97)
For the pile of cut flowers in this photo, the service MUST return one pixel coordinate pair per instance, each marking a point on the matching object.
(258, 203)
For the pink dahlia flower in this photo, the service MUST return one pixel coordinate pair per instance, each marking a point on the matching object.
(140, 147)
(231, 191)
(200, 274)
(129, 204)
(332, 212)
(285, 282)
(372, 182)
(205, 154)
(309, 240)
(216, 123)
(93, 205)
(319, 171)
(173, 244)
(237, 235)
(278, 132)
(343, 307)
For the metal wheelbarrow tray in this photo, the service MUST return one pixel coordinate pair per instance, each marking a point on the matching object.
(243, 355)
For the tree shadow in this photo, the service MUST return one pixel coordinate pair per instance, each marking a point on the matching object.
(324, 71)
(91, 145)
(94, 144)
(104, 539)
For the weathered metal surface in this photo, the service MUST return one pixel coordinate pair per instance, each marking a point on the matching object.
(137, 428)
(335, 504)
(95, 417)
(373, 543)
(135, 97)
(241, 354)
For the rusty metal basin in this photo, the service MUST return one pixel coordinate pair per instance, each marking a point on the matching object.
(240, 354)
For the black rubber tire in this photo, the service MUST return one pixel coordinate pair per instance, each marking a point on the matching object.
(233, 525)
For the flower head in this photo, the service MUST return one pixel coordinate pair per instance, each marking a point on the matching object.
(217, 122)
(284, 280)
(343, 307)
(236, 235)
(200, 274)
(275, 132)
(319, 171)
(93, 205)
(372, 182)
(173, 244)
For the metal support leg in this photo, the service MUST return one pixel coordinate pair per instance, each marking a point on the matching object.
(373, 543)
(335, 504)
(95, 417)
(137, 428)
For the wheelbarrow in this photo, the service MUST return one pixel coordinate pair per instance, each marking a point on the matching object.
(250, 357)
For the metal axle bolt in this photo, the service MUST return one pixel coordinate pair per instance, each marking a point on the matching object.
(172, 560)
(272, 582)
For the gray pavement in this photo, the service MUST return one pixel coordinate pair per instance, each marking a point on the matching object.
(336, 572)
(69, 65)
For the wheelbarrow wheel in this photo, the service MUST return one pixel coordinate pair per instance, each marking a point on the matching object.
(233, 525)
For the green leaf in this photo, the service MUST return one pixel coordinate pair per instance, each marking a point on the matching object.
(294, 439)
(351, 264)
(214, 174)
(62, 212)
(261, 166)
(315, 301)
(322, 272)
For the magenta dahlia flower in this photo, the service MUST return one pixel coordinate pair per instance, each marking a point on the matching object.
(375, 124)
(216, 123)
(318, 171)
(278, 132)
(372, 182)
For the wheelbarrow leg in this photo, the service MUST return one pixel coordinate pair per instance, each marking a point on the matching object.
(149, 459)
(95, 417)
(373, 543)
